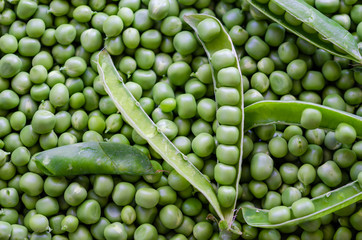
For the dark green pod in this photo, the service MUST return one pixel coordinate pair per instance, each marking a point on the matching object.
(93, 158)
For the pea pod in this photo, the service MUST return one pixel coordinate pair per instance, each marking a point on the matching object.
(324, 204)
(290, 112)
(93, 158)
(212, 47)
(136, 117)
(333, 34)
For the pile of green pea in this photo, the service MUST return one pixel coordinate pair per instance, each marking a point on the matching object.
(51, 95)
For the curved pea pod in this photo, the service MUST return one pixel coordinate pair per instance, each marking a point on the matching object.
(133, 113)
(324, 204)
(222, 42)
(290, 112)
(93, 158)
(332, 33)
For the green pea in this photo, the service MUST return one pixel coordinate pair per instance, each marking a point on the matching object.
(43, 122)
(75, 194)
(274, 35)
(17, 120)
(258, 188)
(344, 157)
(29, 47)
(89, 211)
(345, 133)
(91, 40)
(131, 38)
(334, 101)
(69, 223)
(278, 147)
(3, 157)
(82, 13)
(228, 115)
(260, 82)
(311, 118)
(297, 68)
(39, 223)
(226, 196)
(229, 77)
(203, 144)
(115, 231)
(280, 82)
(82, 232)
(47, 206)
(185, 43)
(227, 134)
(357, 149)
(289, 173)
(146, 229)
(103, 185)
(31, 184)
(330, 174)
(171, 216)
(256, 48)
(265, 132)
(20, 156)
(208, 30)
(147, 197)
(313, 80)
(128, 214)
(55, 186)
(126, 15)
(261, 166)
(123, 193)
(222, 59)
(12, 141)
(331, 70)
(113, 26)
(297, 145)
(17, 29)
(97, 124)
(271, 199)
(128, 65)
(9, 197)
(186, 105)
(8, 43)
(256, 27)
(204, 73)
(151, 39)
(202, 230)
(167, 196)
(9, 99)
(178, 73)
(279, 214)
(18, 232)
(302, 207)
(290, 195)
(288, 51)
(142, 20)
(224, 174)
(306, 174)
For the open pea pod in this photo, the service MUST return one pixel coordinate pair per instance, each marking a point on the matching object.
(324, 204)
(93, 158)
(222, 42)
(290, 112)
(333, 34)
(136, 117)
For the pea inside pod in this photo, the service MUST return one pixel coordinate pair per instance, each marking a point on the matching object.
(299, 13)
(314, 208)
(230, 118)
